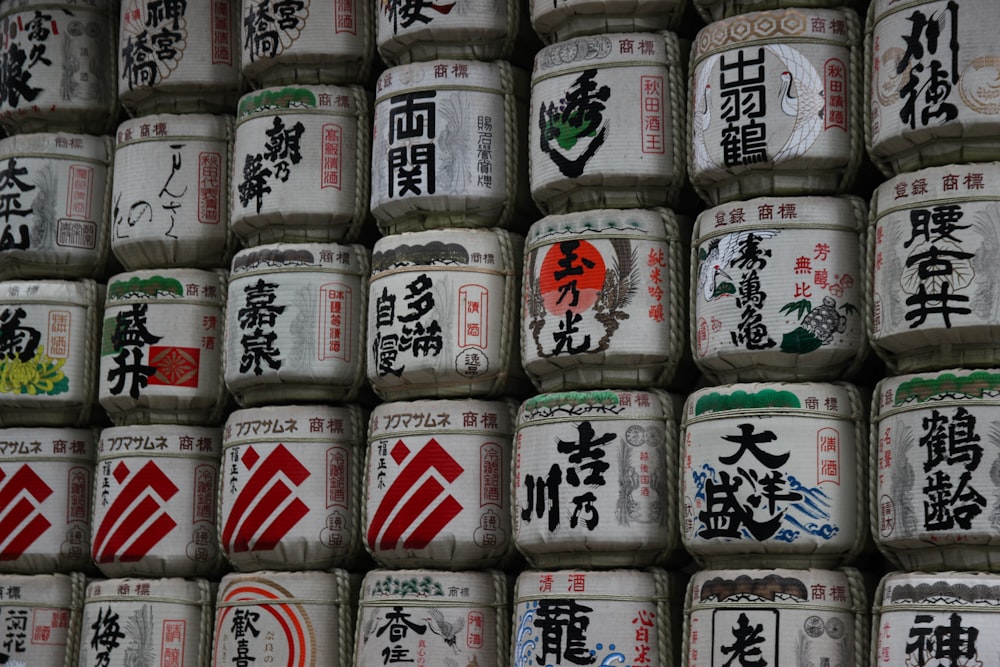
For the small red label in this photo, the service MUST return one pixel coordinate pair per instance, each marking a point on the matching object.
(343, 17)
(335, 326)
(337, 462)
(209, 188)
(81, 180)
(222, 52)
(651, 111)
(473, 322)
(331, 168)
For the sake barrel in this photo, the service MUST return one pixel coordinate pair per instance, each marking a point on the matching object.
(565, 19)
(307, 42)
(777, 289)
(161, 347)
(54, 190)
(713, 10)
(449, 147)
(291, 487)
(49, 334)
(178, 57)
(47, 476)
(171, 192)
(442, 316)
(776, 104)
(410, 522)
(934, 470)
(59, 66)
(301, 161)
(629, 617)
(297, 315)
(154, 505)
(603, 300)
(167, 621)
(773, 474)
(582, 91)
(935, 255)
(594, 479)
(777, 616)
(924, 618)
(928, 68)
(434, 618)
(42, 615)
(285, 618)
(407, 33)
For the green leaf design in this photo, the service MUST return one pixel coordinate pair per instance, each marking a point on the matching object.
(849, 309)
(800, 308)
(799, 341)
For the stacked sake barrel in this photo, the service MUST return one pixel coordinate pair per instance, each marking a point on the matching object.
(290, 490)
(774, 451)
(603, 337)
(160, 335)
(449, 196)
(931, 129)
(56, 106)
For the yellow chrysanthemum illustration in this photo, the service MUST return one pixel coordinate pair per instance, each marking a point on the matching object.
(39, 375)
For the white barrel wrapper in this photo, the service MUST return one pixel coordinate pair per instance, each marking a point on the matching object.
(774, 474)
(433, 618)
(442, 315)
(606, 128)
(55, 197)
(628, 617)
(285, 618)
(777, 289)
(47, 484)
(41, 618)
(934, 250)
(178, 57)
(154, 501)
(161, 349)
(484, 30)
(301, 161)
(935, 470)
(594, 479)
(604, 299)
(776, 104)
(307, 41)
(450, 147)
(291, 487)
(924, 620)
(49, 333)
(167, 621)
(776, 617)
(713, 10)
(171, 192)
(564, 19)
(460, 517)
(59, 66)
(929, 71)
(296, 323)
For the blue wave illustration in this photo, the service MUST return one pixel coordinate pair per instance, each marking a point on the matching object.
(809, 515)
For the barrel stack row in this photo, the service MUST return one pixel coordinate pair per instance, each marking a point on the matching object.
(592, 305)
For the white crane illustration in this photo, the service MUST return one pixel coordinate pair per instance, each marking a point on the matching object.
(702, 118)
(802, 98)
(719, 255)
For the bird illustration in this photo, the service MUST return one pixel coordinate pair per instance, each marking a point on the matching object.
(447, 630)
(802, 98)
(702, 117)
(713, 281)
